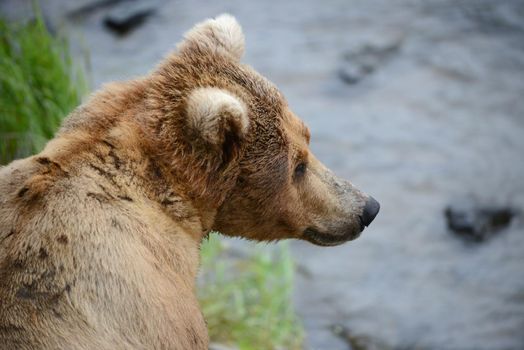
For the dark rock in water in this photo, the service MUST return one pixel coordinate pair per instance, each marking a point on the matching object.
(365, 60)
(493, 16)
(90, 7)
(474, 222)
(128, 16)
(357, 342)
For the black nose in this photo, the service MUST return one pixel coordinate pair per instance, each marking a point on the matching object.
(370, 211)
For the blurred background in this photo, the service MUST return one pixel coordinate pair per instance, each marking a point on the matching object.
(418, 103)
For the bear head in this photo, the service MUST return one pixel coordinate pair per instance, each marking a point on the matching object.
(231, 138)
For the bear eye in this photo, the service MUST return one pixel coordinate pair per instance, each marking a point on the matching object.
(300, 170)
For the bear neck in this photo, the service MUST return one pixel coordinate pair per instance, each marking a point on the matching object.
(144, 144)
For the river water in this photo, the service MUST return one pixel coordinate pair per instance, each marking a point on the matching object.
(441, 116)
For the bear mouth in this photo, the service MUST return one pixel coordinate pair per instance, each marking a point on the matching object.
(328, 240)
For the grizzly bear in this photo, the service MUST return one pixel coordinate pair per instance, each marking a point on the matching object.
(100, 232)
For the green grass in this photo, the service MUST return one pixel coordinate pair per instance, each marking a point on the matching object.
(39, 86)
(247, 301)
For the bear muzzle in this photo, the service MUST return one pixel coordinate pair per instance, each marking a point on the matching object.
(345, 232)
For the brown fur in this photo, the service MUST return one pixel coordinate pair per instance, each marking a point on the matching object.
(100, 232)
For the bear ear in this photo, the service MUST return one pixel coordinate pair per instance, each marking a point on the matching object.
(221, 34)
(218, 118)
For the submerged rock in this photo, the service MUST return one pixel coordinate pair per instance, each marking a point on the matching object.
(128, 16)
(357, 342)
(364, 60)
(476, 222)
(86, 8)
